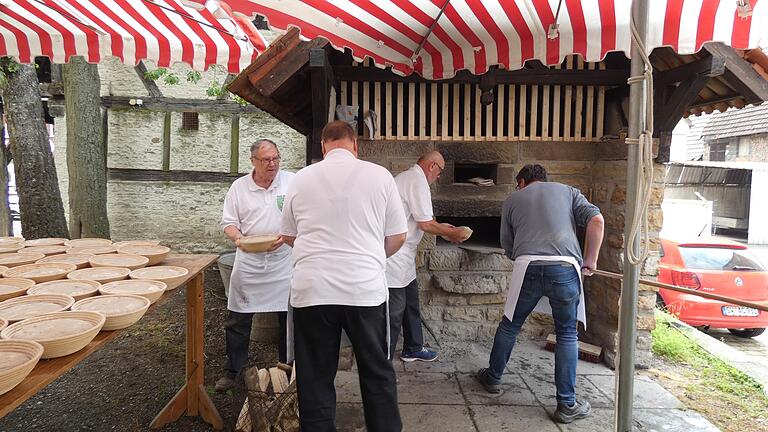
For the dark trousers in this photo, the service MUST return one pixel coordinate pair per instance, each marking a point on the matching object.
(317, 334)
(404, 311)
(238, 335)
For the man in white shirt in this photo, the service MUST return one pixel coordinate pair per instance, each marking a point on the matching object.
(260, 281)
(343, 217)
(413, 186)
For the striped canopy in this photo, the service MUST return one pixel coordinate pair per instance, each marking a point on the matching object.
(162, 31)
(476, 34)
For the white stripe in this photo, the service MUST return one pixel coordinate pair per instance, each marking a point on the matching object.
(174, 43)
(11, 43)
(198, 46)
(376, 23)
(622, 8)
(140, 8)
(467, 50)
(565, 35)
(536, 27)
(56, 37)
(591, 10)
(489, 49)
(689, 25)
(420, 29)
(654, 34)
(30, 35)
(510, 32)
(723, 31)
(129, 49)
(758, 32)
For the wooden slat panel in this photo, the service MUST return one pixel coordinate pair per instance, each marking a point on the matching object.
(388, 133)
(511, 117)
(456, 121)
(343, 87)
(478, 132)
(567, 101)
(545, 107)
(411, 107)
(556, 111)
(467, 110)
(377, 107)
(354, 92)
(579, 110)
(500, 95)
(433, 112)
(444, 123)
(400, 133)
(489, 120)
(600, 108)
(422, 111)
(534, 112)
(589, 132)
(521, 106)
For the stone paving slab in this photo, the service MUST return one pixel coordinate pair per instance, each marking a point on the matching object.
(601, 420)
(543, 387)
(512, 418)
(648, 393)
(666, 420)
(438, 418)
(425, 387)
(514, 391)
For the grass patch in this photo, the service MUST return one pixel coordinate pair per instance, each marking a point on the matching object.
(727, 397)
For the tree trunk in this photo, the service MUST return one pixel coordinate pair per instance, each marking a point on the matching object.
(6, 221)
(86, 151)
(42, 212)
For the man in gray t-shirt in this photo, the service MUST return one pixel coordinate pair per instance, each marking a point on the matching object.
(538, 230)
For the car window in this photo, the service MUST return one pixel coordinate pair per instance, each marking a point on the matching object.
(712, 258)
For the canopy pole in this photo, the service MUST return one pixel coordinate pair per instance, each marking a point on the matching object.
(629, 291)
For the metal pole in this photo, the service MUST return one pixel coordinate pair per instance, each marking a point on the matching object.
(628, 310)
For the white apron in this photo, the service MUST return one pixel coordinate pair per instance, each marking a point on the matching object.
(516, 284)
(260, 281)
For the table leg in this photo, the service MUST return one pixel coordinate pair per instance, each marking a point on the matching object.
(192, 397)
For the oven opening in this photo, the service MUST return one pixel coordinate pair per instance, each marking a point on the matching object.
(485, 230)
(463, 172)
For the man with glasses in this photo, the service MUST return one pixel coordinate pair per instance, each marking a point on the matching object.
(413, 186)
(260, 281)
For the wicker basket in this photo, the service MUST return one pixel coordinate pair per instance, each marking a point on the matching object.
(150, 289)
(121, 310)
(156, 254)
(79, 260)
(30, 306)
(100, 274)
(15, 259)
(88, 242)
(45, 242)
(77, 289)
(136, 243)
(256, 243)
(274, 412)
(11, 247)
(3, 323)
(129, 261)
(14, 287)
(60, 333)
(173, 276)
(17, 359)
(48, 250)
(40, 272)
(93, 250)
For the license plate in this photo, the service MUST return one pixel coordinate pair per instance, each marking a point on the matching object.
(740, 311)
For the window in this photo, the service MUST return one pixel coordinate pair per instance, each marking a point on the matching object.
(715, 258)
(717, 151)
(189, 121)
(744, 146)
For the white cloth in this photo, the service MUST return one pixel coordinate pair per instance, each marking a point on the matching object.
(417, 204)
(340, 210)
(260, 282)
(516, 284)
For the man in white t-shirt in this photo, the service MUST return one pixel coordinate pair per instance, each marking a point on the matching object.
(413, 186)
(343, 217)
(260, 281)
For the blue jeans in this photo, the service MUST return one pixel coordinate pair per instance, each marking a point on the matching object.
(561, 285)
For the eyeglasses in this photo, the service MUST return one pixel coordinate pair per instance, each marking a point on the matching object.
(267, 161)
(440, 168)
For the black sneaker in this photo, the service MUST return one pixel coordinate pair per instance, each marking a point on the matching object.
(566, 414)
(482, 378)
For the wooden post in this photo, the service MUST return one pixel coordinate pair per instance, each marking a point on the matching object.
(167, 142)
(234, 145)
(321, 77)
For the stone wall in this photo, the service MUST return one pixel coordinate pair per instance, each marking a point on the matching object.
(463, 290)
(184, 215)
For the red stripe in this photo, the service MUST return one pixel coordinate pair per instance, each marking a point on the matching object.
(521, 27)
(437, 58)
(139, 42)
(187, 48)
(233, 54)
(706, 27)
(22, 43)
(579, 26)
(672, 19)
(607, 27)
(211, 50)
(454, 17)
(3, 48)
(46, 44)
(164, 46)
(741, 28)
(502, 44)
(117, 41)
(68, 37)
(547, 18)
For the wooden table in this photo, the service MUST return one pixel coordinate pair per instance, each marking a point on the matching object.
(191, 398)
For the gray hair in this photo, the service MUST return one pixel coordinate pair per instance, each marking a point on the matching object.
(261, 143)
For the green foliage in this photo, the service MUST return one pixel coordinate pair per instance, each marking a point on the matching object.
(8, 66)
(194, 77)
(215, 89)
(155, 74)
(171, 79)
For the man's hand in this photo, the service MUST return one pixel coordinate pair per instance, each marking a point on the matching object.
(588, 268)
(274, 246)
(456, 235)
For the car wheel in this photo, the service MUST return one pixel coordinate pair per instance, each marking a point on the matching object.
(747, 333)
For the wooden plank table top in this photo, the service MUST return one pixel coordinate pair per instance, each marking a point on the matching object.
(47, 371)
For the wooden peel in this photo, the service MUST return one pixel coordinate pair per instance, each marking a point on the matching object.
(763, 306)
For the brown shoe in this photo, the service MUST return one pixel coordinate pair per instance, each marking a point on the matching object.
(223, 384)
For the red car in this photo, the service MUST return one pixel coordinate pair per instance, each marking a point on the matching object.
(716, 266)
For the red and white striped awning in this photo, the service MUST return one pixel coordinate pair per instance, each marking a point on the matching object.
(162, 31)
(476, 34)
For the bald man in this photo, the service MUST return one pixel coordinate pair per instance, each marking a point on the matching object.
(413, 186)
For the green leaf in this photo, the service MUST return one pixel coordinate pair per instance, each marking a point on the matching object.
(194, 77)
(155, 74)
(171, 79)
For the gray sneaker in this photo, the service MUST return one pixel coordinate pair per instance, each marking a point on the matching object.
(482, 378)
(566, 414)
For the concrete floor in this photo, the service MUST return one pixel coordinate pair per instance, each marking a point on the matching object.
(443, 396)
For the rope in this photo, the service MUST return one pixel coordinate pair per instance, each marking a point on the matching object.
(644, 177)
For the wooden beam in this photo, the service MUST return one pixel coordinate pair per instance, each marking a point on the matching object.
(607, 77)
(685, 94)
(740, 74)
(165, 104)
(283, 71)
(711, 66)
(126, 174)
(149, 84)
(321, 80)
(665, 146)
(167, 142)
(234, 145)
